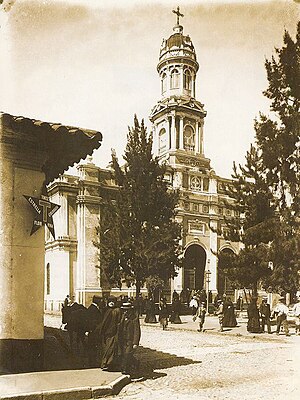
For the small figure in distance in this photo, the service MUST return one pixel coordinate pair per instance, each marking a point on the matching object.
(200, 313)
(265, 313)
(193, 305)
(163, 313)
(281, 310)
(296, 312)
(220, 313)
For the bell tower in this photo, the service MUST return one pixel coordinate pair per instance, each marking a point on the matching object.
(178, 118)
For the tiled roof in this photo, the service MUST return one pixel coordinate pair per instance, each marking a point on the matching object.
(64, 144)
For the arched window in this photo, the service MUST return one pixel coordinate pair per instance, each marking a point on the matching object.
(175, 79)
(162, 140)
(163, 82)
(189, 138)
(48, 278)
(187, 80)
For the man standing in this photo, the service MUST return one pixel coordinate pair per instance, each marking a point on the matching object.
(281, 310)
(296, 312)
(200, 313)
(94, 318)
(265, 314)
(220, 314)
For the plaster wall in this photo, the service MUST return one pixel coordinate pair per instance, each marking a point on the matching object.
(21, 255)
(59, 275)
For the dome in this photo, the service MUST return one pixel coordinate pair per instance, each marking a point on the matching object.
(177, 46)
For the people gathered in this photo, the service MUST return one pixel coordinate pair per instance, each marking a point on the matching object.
(109, 329)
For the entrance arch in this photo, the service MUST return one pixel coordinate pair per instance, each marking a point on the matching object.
(223, 283)
(194, 267)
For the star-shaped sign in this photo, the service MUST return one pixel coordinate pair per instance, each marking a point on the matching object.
(44, 210)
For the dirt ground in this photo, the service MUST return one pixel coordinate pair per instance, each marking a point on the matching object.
(185, 364)
(190, 365)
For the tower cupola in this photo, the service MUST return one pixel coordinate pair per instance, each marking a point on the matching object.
(177, 66)
(178, 118)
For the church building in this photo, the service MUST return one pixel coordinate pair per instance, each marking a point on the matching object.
(178, 139)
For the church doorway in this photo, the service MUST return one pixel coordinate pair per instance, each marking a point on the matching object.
(194, 267)
(224, 285)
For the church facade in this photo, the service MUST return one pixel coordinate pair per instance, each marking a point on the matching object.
(178, 140)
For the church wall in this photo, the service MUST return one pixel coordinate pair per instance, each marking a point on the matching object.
(57, 278)
(88, 276)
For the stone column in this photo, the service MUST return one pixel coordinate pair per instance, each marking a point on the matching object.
(178, 281)
(197, 138)
(181, 145)
(173, 133)
(155, 140)
(168, 131)
(201, 138)
(21, 255)
(88, 200)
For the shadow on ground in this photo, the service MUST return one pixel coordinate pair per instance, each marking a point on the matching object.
(58, 356)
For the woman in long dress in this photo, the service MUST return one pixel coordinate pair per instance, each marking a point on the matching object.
(150, 311)
(253, 317)
(108, 333)
(229, 319)
(175, 313)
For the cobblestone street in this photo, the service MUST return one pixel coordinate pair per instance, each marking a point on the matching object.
(216, 366)
(233, 365)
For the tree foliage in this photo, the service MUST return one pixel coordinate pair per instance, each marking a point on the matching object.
(266, 191)
(252, 222)
(138, 236)
(277, 135)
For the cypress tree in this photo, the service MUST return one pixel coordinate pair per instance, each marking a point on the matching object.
(142, 236)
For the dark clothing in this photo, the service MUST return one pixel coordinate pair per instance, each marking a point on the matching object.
(253, 318)
(239, 304)
(175, 318)
(66, 301)
(108, 334)
(265, 313)
(175, 296)
(93, 315)
(282, 320)
(163, 315)
(150, 311)
(129, 336)
(229, 319)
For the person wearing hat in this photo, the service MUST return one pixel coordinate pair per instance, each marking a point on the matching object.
(193, 304)
(129, 337)
(281, 310)
(296, 312)
(200, 314)
(108, 335)
(163, 313)
(220, 313)
(265, 314)
(93, 319)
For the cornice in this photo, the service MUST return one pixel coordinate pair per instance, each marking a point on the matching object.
(87, 199)
(64, 243)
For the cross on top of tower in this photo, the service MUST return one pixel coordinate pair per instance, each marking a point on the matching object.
(178, 13)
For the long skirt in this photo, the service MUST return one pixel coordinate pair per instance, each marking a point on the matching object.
(150, 318)
(253, 325)
(110, 352)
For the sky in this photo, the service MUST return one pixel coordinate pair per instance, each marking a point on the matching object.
(92, 64)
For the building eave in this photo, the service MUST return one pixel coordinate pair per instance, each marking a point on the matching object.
(64, 145)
